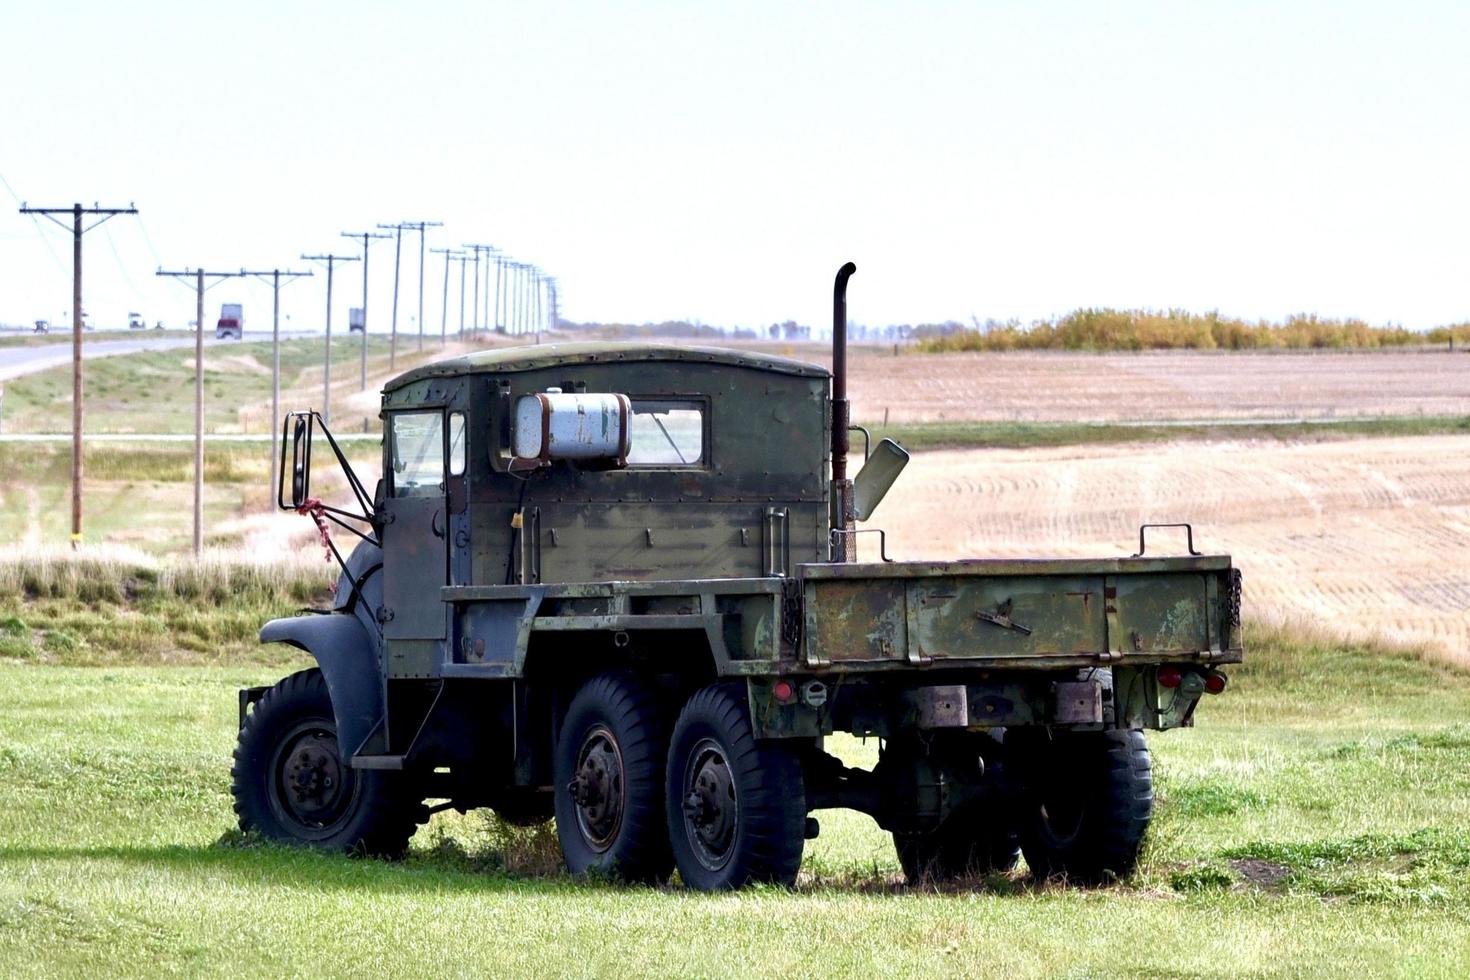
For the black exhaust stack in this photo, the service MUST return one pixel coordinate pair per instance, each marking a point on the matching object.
(840, 442)
(842, 517)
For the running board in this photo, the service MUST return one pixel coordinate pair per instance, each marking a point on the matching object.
(377, 762)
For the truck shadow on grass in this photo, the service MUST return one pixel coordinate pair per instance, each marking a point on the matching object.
(1425, 867)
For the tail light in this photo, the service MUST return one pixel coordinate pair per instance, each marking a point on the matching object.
(1215, 682)
(1170, 677)
(783, 691)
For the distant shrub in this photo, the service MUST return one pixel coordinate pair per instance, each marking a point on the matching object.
(1132, 330)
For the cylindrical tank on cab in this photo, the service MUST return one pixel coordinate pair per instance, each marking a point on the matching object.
(556, 425)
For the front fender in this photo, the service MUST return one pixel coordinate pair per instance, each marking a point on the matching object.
(346, 655)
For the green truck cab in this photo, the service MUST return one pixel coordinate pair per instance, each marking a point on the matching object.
(616, 585)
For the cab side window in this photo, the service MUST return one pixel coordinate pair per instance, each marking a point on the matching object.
(417, 441)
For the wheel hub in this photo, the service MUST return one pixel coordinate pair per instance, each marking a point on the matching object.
(709, 804)
(597, 788)
(312, 779)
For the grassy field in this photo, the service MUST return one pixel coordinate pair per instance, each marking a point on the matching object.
(62, 335)
(123, 392)
(1317, 821)
(140, 495)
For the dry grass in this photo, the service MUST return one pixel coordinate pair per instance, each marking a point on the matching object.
(117, 605)
(1363, 537)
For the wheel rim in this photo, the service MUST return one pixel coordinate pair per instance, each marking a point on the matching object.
(598, 789)
(311, 791)
(1060, 806)
(711, 807)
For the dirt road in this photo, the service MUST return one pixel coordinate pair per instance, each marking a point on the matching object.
(1362, 536)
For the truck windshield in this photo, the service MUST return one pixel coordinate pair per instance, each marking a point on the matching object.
(666, 433)
(418, 454)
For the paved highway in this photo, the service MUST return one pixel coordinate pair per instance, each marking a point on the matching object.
(15, 361)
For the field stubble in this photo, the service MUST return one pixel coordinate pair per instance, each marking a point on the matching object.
(1363, 537)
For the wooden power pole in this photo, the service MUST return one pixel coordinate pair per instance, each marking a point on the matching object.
(77, 212)
(273, 277)
(367, 237)
(199, 275)
(330, 261)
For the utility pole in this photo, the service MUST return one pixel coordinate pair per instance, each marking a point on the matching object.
(540, 322)
(419, 227)
(449, 255)
(366, 237)
(198, 276)
(331, 261)
(77, 231)
(393, 336)
(273, 276)
(462, 260)
(476, 322)
(553, 301)
(512, 279)
(499, 268)
(521, 297)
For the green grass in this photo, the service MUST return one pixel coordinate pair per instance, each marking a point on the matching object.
(1317, 821)
(108, 611)
(153, 391)
(1026, 435)
(62, 335)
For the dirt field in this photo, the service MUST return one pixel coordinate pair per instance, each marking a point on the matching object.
(1037, 386)
(1364, 536)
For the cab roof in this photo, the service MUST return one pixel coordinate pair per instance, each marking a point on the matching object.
(501, 360)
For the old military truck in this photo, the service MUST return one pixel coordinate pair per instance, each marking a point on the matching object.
(615, 584)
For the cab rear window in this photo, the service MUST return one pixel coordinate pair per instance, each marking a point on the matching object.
(666, 434)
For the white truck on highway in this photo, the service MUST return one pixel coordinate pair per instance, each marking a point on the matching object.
(231, 322)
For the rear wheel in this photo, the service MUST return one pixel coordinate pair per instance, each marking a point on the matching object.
(736, 806)
(1087, 799)
(291, 783)
(609, 770)
(973, 841)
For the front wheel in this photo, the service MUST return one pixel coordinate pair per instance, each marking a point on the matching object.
(291, 783)
(736, 806)
(1087, 800)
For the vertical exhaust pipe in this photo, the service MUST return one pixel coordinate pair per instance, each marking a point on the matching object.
(840, 442)
(843, 547)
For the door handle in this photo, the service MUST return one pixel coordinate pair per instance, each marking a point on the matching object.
(436, 524)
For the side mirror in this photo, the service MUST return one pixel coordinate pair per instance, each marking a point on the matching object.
(300, 428)
(877, 475)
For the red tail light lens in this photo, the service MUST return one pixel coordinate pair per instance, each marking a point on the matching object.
(1170, 677)
(1215, 682)
(783, 691)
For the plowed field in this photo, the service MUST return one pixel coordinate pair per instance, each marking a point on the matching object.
(1154, 386)
(1361, 536)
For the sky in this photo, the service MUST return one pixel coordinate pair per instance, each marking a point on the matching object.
(718, 162)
